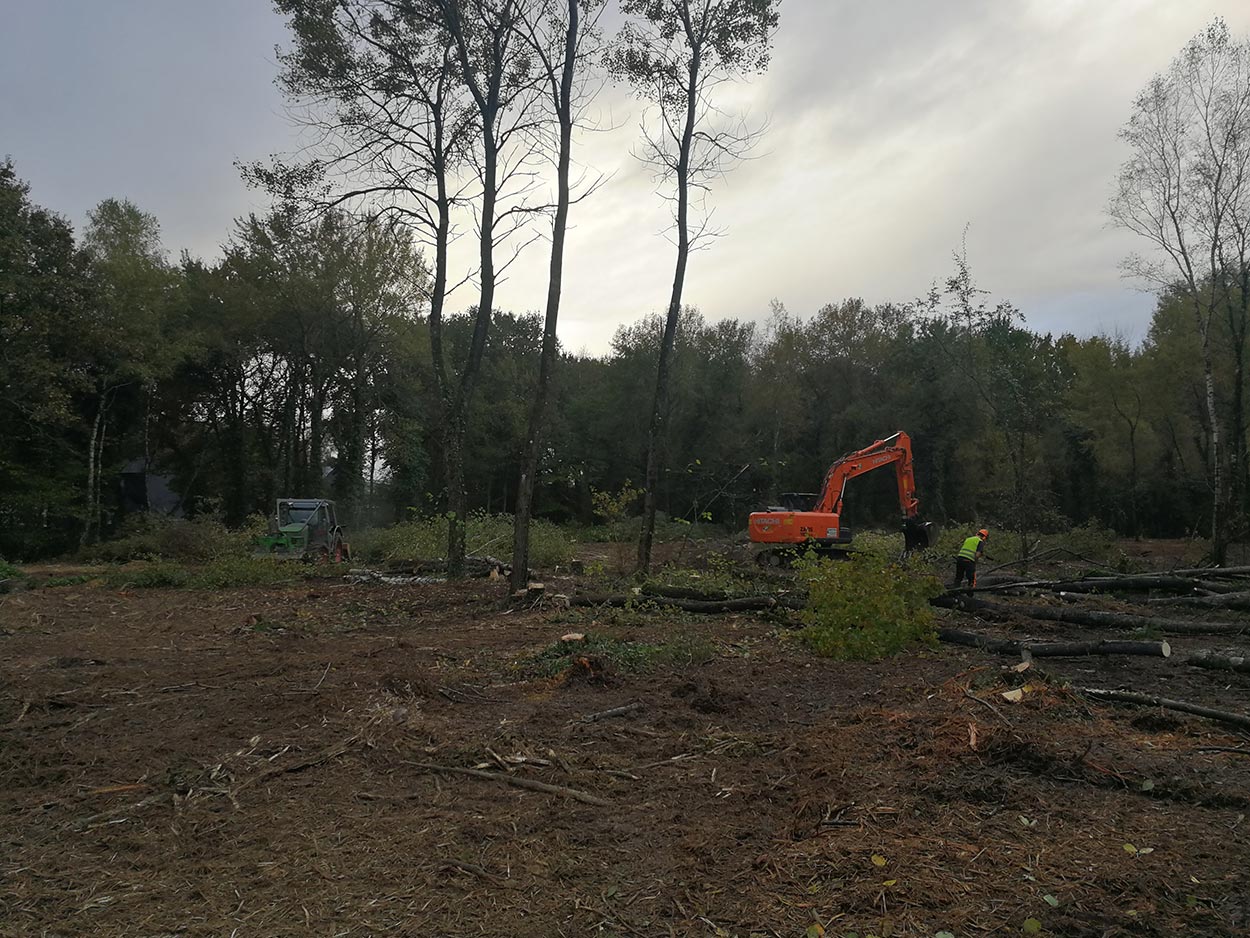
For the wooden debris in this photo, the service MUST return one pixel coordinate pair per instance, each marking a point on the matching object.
(688, 605)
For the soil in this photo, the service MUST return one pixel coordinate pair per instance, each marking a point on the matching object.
(256, 762)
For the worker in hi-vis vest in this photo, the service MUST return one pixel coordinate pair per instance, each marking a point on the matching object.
(969, 554)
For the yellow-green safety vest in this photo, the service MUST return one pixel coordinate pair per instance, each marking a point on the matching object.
(969, 550)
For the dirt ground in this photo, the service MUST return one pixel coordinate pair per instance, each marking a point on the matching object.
(255, 762)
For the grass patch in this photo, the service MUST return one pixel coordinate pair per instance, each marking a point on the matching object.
(226, 573)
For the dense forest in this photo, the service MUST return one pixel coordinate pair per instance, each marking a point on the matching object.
(307, 360)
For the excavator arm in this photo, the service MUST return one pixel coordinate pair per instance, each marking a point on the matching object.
(894, 450)
(822, 524)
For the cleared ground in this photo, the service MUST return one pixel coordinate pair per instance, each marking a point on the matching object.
(255, 763)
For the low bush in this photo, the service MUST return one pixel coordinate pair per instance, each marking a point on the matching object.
(867, 606)
(8, 571)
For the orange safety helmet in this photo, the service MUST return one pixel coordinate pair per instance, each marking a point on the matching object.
(983, 534)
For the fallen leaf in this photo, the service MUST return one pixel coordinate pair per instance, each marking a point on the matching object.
(972, 736)
(815, 930)
(889, 882)
(878, 860)
(944, 934)
(1051, 901)
(1145, 850)
(1032, 926)
(1130, 850)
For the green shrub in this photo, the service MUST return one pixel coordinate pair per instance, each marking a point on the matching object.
(8, 571)
(868, 606)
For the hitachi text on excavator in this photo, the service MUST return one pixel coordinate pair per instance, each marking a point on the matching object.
(815, 520)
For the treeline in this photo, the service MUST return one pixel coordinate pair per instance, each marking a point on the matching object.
(299, 364)
(321, 354)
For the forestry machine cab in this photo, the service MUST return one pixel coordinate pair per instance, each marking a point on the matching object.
(815, 520)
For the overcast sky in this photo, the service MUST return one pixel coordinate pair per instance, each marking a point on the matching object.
(891, 125)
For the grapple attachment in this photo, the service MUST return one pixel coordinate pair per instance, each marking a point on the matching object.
(917, 535)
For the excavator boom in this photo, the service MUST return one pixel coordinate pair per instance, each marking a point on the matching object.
(822, 524)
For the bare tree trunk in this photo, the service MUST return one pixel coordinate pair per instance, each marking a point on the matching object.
(655, 429)
(89, 524)
(1219, 537)
(547, 358)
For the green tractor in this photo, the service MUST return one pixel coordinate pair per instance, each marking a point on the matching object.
(307, 529)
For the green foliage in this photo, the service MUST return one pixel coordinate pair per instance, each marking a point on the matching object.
(868, 606)
(426, 539)
(680, 651)
(8, 571)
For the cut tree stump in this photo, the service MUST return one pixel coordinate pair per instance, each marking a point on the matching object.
(1005, 646)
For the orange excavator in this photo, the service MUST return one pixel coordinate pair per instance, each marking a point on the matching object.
(815, 520)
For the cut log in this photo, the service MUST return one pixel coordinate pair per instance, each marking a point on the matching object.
(1006, 646)
(1181, 706)
(1209, 659)
(1097, 619)
(1238, 601)
(684, 592)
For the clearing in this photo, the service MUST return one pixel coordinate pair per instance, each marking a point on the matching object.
(257, 762)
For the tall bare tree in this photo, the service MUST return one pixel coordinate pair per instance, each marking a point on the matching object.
(1186, 190)
(561, 35)
(676, 53)
(424, 109)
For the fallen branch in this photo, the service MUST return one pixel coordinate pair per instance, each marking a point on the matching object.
(1005, 646)
(614, 712)
(330, 752)
(683, 592)
(1209, 659)
(1149, 700)
(575, 794)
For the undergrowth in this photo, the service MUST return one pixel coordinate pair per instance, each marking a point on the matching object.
(8, 571)
(622, 655)
(426, 539)
(157, 537)
(867, 606)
